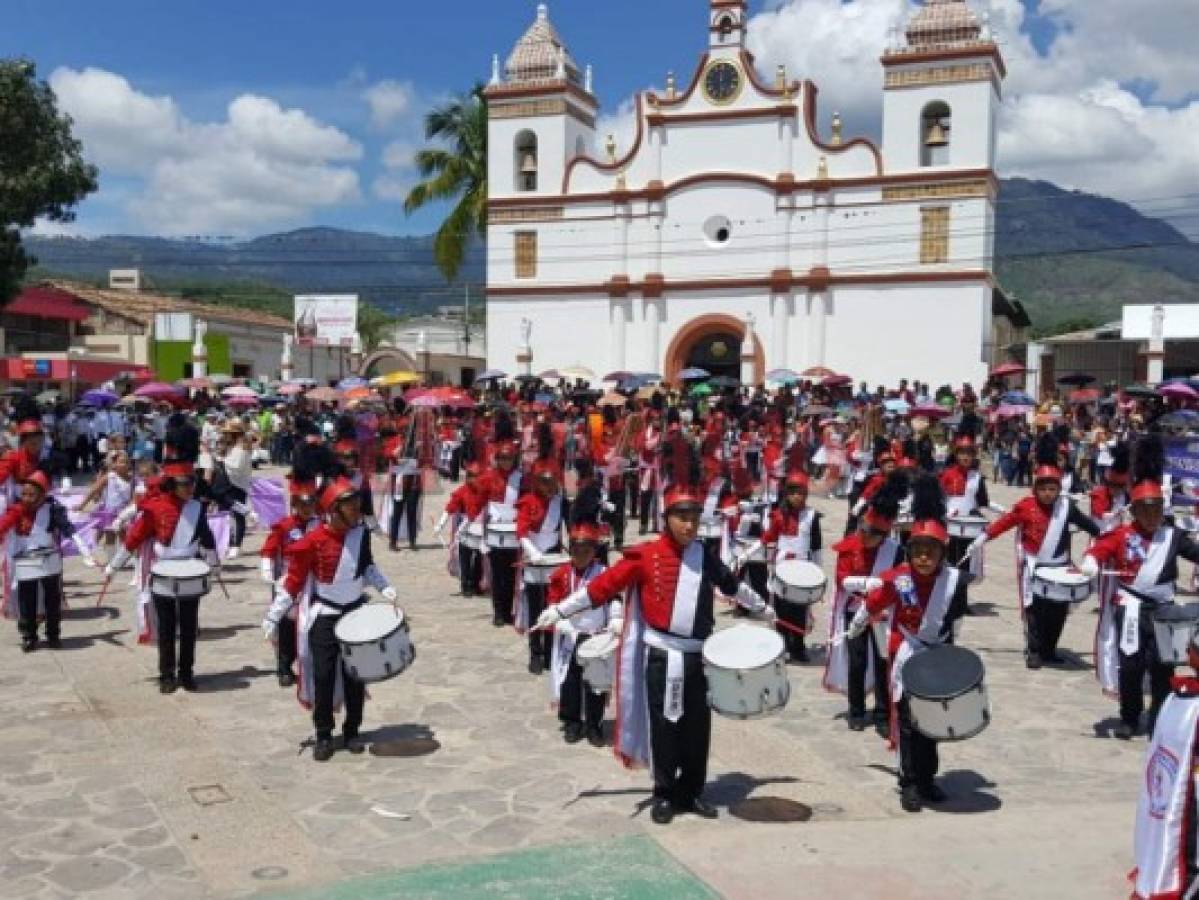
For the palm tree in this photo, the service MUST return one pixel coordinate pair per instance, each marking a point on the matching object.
(458, 171)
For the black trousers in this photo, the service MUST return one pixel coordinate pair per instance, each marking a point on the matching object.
(285, 650)
(793, 614)
(470, 569)
(679, 749)
(918, 758)
(238, 532)
(862, 650)
(503, 583)
(406, 506)
(616, 518)
(1133, 667)
(178, 620)
(648, 498)
(541, 643)
(578, 700)
(1043, 624)
(326, 659)
(49, 590)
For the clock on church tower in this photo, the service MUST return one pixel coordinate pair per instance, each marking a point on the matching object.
(722, 82)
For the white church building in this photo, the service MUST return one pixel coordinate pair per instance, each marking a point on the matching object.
(740, 230)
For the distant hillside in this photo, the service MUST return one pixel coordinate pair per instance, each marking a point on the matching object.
(1055, 252)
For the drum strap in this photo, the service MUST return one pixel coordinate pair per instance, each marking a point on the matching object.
(343, 608)
(674, 647)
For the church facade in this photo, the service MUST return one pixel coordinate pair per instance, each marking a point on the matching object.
(740, 230)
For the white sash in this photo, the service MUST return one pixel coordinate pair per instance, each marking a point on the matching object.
(1047, 552)
(548, 536)
(714, 491)
(798, 545)
(930, 627)
(346, 586)
(589, 621)
(1146, 583)
(183, 540)
(1166, 793)
(682, 624)
(836, 666)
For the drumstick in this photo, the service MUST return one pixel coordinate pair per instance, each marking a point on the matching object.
(221, 582)
(103, 591)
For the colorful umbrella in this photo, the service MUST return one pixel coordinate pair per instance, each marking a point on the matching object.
(1006, 369)
(239, 392)
(612, 399)
(1139, 390)
(99, 397)
(782, 376)
(242, 400)
(361, 392)
(703, 389)
(930, 411)
(426, 401)
(391, 379)
(897, 405)
(694, 374)
(724, 381)
(1017, 398)
(836, 380)
(194, 384)
(1176, 390)
(619, 375)
(817, 372)
(582, 373)
(158, 390)
(324, 394)
(291, 389)
(1084, 395)
(490, 375)
(1008, 411)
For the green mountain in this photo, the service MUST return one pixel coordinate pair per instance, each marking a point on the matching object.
(1073, 259)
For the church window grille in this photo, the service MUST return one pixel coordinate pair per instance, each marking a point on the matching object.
(934, 234)
(526, 254)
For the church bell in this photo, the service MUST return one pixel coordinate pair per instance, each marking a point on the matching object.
(936, 136)
(528, 165)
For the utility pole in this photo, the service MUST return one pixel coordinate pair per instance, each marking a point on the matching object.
(466, 319)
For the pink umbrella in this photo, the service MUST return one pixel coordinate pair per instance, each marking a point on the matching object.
(1176, 390)
(1009, 411)
(425, 401)
(324, 394)
(158, 390)
(242, 401)
(241, 393)
(929, 411)
(836, 380)
(414, 393)
(288, 390)
(1008, 368)
(195, 384)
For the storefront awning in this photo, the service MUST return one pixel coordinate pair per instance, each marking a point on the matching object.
(48, 303)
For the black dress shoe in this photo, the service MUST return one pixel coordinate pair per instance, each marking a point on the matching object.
(54, 643)
(166, 685)
(1052, 658)
(1123, 732)
(498, 621)
(286, 679)
(393, 547)
(1033, 661)
(930, 793)
(353, 743)
(909, 799)
(188, 683)
(28, 645)
(323, 751)
(857, 723)
(662, 812)
(535, 666)
(573, 732)
(698, 807)
(595, 737)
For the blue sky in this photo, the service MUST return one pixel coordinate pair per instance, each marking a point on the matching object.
(322, 58)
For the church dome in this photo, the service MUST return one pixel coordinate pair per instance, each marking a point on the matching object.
(539, 53)
(943, 22)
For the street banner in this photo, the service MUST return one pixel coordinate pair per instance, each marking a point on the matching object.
(326, 320)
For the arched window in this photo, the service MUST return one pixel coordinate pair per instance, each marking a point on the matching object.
(525, 160)
(936, 129)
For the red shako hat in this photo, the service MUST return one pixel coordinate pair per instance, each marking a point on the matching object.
(585, 533)
(38, 478)
(337, 490)
(682, 496)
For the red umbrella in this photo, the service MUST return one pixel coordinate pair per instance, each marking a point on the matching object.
(425, 401)
(1007, 368)
(836, 380)
(324, 394)
(158, 390)
(1084, 395)
(929, 411)
(817, 372)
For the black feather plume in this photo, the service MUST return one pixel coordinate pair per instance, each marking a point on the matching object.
(1120, 458)
(182, 443)
(310, 461)
(890, 495)
(1046, 450)
(1149, 460)
(545, 441)
(928, 500)
(346, 430)
(504, 430)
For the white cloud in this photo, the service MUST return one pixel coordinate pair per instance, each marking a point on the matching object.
(399, 154)
(393, 186)
(1069, 116)
(263, 166)
(621, 124)
(389, 101)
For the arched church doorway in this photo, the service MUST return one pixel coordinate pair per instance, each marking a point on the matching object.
(713, 342)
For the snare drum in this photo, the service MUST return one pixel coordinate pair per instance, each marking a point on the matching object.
(597, 656)
(375, 644)
(799, 582)
(1060, 584)
(746, 672)
(711, 529)
(471, 536)
(946, 694)
(502, 536)
(965, 527)
(34, 564)
(185, 579)
(1173, 626)
(539, 572)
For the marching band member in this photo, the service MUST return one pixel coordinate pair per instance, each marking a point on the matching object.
(539, 521)
(406, 493)
(34, 527)
(1043, 522)
(1109, 500)
(649, 444)
(869, 482)
(580, 708)
(466, 507)
(1164, 841)
(17, 465)
(1143, 555)
(965, 495)
(924, 598)
(661, 682)
(853, 664)
(170, 525)
(501, 486)
(282, 535)
(345, 450)
(327, 571)
(794, 530)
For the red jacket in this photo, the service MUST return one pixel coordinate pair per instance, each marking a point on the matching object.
(157, 518)
(466, 500)
(318, 553)
(854, 557)
(531, 510)
(282, 534)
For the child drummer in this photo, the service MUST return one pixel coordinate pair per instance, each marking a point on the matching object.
(580, 708)
(794, 529)
(924, 597)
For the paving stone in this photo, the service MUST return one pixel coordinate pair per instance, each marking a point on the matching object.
(84, 874)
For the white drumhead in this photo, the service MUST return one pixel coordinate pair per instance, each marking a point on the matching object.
(502, 527)
(1061, 575)
(551, 560)
(598, 647)
(800, 573)
(743, 647)
(475, 528)
(368, 623)
(180, 568)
